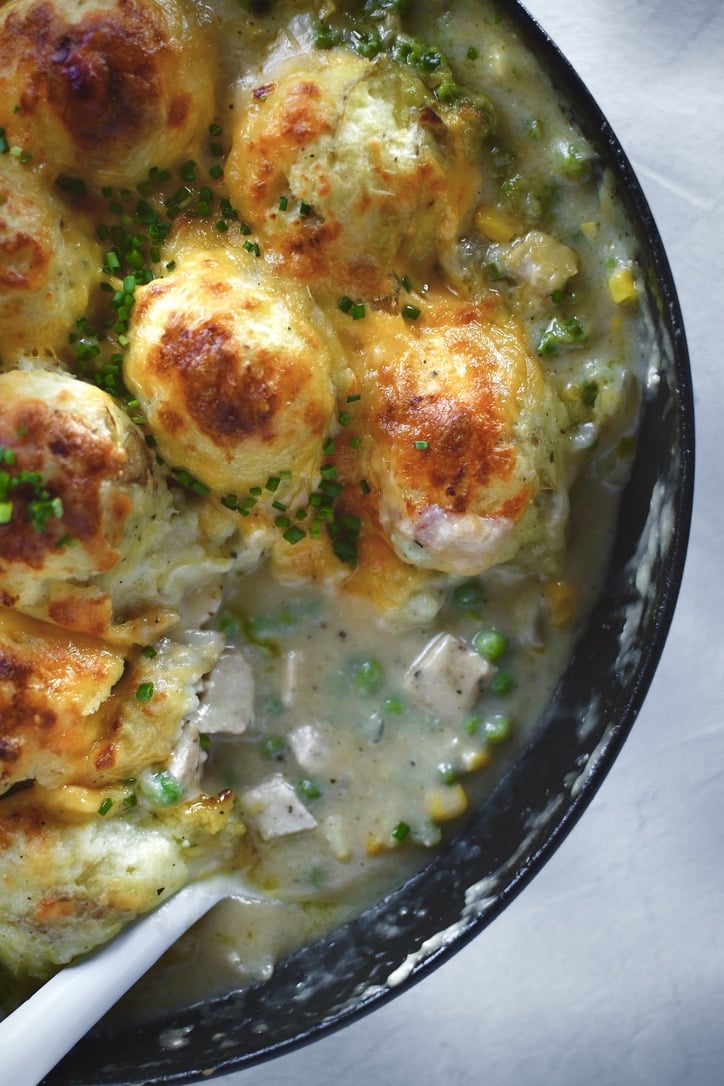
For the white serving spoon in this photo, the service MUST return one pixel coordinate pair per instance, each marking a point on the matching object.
(43, 1029)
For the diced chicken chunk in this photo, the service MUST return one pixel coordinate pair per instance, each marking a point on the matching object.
(538, 261)
(228, 705)
(447, 676)
(309, 748)
(187, 759)
(274, 809)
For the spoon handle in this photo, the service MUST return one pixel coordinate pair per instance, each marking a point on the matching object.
(43, 1029)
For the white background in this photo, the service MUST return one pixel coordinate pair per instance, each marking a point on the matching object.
(609, 968)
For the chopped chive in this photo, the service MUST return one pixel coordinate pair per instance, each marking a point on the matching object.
(294, 534)
(283, 203)
(105, 806)
(344, 419)
(364, 486)
(401, 831)
(149, 652)
(144, 691)
(421, 445)
(357, 311)
(355, 442)
(281, 506)
(345, 303)
(411, 312)
(354, 399)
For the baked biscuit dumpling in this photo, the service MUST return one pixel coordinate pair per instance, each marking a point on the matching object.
(105, 88)
(90, 535)
(463, 438)
(349, 171)
(69, 714)
(70, 884)
(233, 372)
(47, 264)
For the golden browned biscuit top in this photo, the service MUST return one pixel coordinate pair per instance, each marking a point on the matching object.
(108, 89)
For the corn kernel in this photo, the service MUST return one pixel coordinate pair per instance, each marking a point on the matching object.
(495, 224)
(563, 601)
(442, 804)
(590, 230)
(622, 286)
(476, 759)
(374, 846)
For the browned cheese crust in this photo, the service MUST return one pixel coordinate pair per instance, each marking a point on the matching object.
(374, 179)
(87, 454)
(47, 265)
(232, 372)
(108, 88)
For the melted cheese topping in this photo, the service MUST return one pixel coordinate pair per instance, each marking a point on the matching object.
(69, 705)
(370, 177)
(461, 434)
(111, 86)
(47, 265)
(233, 372)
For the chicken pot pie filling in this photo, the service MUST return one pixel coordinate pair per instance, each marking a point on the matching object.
(320, 354)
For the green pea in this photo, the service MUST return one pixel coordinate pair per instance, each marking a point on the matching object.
(394, 706)
(472, 724)
(491, 644)
(308, 789)
(501, 683)
(497, 729)
(468, 595)
(163, 790)
(368, 677)
(274, 747)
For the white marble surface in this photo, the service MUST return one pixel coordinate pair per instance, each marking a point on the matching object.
(609, 968)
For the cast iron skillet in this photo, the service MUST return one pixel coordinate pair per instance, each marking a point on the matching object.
(327, 984)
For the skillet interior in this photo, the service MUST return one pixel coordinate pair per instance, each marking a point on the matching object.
(549, 785)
